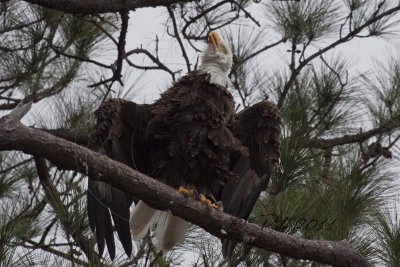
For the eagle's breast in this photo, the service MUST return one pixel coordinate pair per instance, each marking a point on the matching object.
(191, 119)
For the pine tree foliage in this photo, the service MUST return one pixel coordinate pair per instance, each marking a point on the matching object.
(338, 178)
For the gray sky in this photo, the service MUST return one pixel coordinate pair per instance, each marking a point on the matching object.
(145, 24)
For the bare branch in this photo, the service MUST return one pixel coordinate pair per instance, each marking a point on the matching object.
(35, 245)
(265, 48)
(117, 66)
(102, 6)
(394, 123)
(194, 19)
(2, 171)
(78, 57)
(121, 45)
(159, 64)
(247, 14)
(178, 38)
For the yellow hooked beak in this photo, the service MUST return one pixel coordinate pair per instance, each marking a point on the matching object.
(215, 40)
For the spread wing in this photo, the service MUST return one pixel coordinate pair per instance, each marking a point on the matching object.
(258, 128)
(119, 134)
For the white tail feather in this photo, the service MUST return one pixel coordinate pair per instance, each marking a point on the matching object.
(170, 231)
(142, 218)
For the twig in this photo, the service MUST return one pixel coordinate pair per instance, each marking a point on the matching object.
(247, 14)
(20, 26)
(53, 198)
(102, 30)
(80, 58)
(265, 48)
(200, 15)
(178, 38)
(344, 39)
(338, 95)
(49, 249)
(54, 89)
(159, 64)
(2, 171)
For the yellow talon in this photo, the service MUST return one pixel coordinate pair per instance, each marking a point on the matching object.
(208, 202)
(187, 192)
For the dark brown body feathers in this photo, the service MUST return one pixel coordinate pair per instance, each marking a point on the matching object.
(194, 143)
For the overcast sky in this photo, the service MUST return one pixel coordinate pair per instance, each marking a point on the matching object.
(145, 24)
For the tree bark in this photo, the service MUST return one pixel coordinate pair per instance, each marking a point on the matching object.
(101, 6)
(69, 156)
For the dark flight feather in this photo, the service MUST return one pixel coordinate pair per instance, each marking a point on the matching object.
(119, 134)
(258, 128)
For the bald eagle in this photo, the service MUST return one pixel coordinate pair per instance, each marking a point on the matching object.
(190, 139)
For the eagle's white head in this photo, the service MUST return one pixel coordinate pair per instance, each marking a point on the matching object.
(217, 60)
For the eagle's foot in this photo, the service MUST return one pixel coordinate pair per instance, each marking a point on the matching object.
(208, 202)
(187, 192)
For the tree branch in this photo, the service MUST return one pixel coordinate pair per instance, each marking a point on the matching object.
(78, 137)
(117, 66)
(178, 38)
(69, 156)
(342, 40)
(265, 48)
(101, 6)
(47, 248)
(55, 88)
(159, 64)
(354, 138)
(200, 15)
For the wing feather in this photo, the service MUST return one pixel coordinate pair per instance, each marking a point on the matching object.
(258, 128)
(119, 134)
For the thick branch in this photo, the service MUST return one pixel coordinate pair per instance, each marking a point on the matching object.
(69, 156)
(78, 137)
(101, 6)
(354, 138)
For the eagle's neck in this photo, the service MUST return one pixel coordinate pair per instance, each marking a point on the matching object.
(217, 76)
